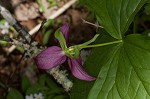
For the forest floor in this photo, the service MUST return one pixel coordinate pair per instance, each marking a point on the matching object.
(27, 12)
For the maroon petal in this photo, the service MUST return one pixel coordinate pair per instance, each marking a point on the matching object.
(65, 30)
(77, 70)
(50, 57)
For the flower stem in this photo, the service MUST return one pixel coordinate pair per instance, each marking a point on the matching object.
(103, 44)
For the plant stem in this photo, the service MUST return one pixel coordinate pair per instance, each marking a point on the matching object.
(103, 44)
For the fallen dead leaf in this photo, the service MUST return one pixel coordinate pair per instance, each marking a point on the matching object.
(27, 11)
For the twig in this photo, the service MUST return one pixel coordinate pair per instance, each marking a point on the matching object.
(84, 21)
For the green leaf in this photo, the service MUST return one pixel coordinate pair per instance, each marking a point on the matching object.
(12, 29)
(147, 8)
(115, 15)
(46, 37)
(35, 89)
(48, 26)
(123, 70)
(50, 83)
(42, 80)
(148, 1)
(50, 97)
(2, 21)
(42, 8)
(2, 85)
(25, 83)
(14, 94)
(4, 43)
(50, 22)
(55, 91)
(61, 97)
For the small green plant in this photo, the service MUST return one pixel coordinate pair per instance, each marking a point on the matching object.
(52, 3)
(44, 88)
(47, 31)
(41, 6)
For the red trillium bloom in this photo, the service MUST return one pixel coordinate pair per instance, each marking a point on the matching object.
(54, 56)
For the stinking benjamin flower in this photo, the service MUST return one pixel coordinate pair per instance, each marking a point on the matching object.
(54, 55)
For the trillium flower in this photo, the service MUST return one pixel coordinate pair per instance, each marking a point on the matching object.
(54, 55)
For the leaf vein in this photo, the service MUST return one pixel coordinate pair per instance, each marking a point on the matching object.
(116, 76)
(129, 82)
(137, 90)
(138, 46)
(136, 72)
(112, 21)
(115, 52)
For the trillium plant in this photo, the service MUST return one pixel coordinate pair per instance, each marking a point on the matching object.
(120, 58)
(54, 55)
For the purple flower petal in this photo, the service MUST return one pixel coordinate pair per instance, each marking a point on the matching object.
(50, 57)
(65, 30)
(77, 70)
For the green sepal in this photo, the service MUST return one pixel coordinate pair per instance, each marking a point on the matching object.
(59, 36)
(80, 46)
(77, 51)
(73, 51)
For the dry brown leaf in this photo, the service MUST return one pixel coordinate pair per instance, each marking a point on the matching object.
(27, 11)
